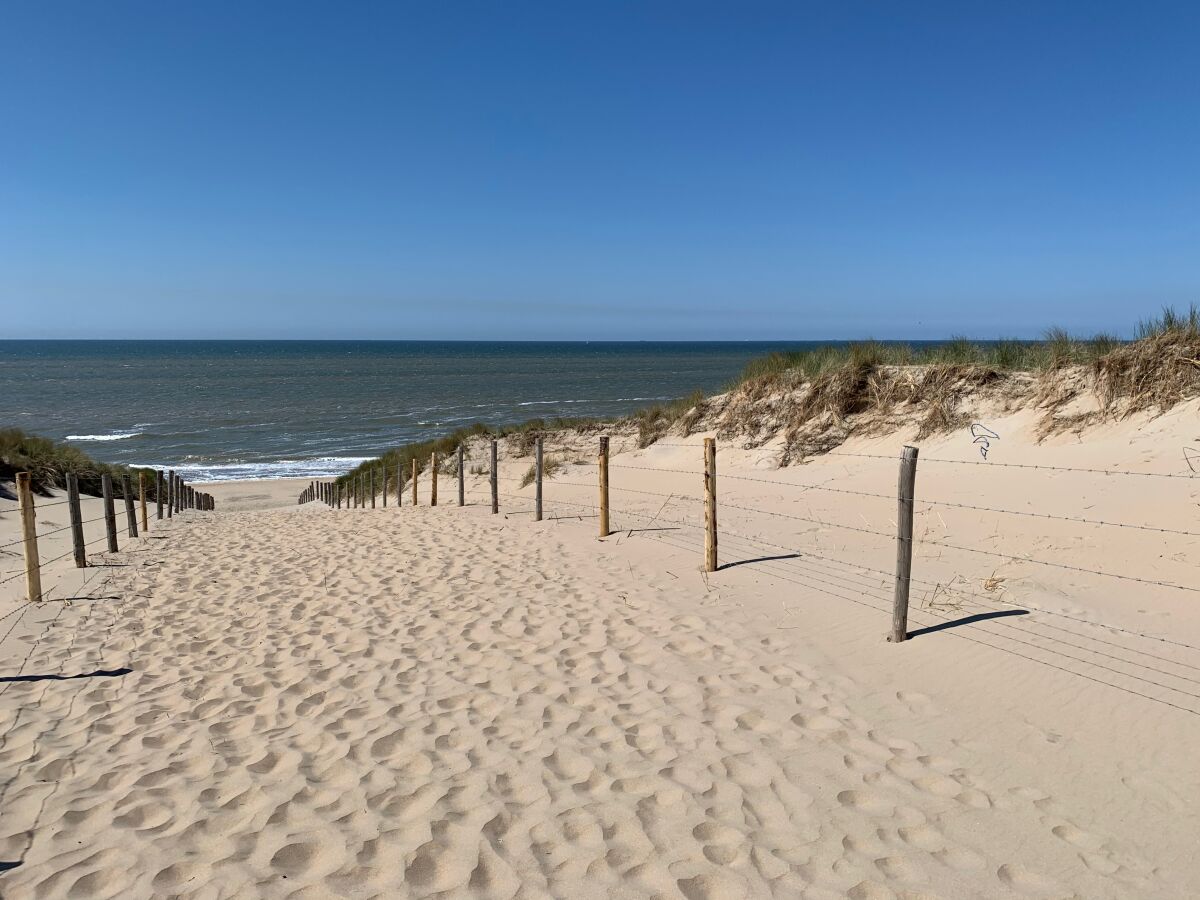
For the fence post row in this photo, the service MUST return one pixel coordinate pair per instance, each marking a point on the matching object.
(603, 461)
(710, 504)
(904, 531)
(192, 498)
(537, 473)
(495, 482)
(33, 572)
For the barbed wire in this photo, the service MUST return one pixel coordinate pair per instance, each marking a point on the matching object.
(992, 463)
(932, 502)
(1041, 562)
(930, 614)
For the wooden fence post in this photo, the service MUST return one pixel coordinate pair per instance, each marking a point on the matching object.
(399, 483)
(904, 542)
(462, 478)
(372, 487)
(383, 472)
(433, 479)
(110, 515)
(127, 496)
(33, 564)
(158, 494)
(710, 504)
(415, 472)
(538, 468)
(142, 500)
(603, 487)
(495, 481)
(77, 544)
(170, 493)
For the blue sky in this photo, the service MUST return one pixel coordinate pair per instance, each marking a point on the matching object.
(596, 170)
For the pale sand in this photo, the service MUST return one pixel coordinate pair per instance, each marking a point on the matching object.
(419, 702)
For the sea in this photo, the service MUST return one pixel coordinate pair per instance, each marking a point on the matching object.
(230, 410)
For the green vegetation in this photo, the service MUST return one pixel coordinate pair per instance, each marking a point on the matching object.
(1056, 350)
(49, 463)
(655, 421)
(550, 466)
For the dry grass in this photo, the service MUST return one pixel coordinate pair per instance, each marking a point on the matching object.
(550, 466)
(49, 462)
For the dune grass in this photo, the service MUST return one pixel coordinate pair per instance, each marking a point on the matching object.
(551, 465)
(49, 462)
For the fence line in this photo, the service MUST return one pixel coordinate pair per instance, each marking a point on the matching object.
(1002, 465)
(842, 578)
(181, 496)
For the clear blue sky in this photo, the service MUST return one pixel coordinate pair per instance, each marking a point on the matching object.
(596, 170)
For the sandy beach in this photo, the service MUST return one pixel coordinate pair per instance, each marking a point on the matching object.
(293, 701)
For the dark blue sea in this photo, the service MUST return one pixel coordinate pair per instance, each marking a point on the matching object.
(272, 409)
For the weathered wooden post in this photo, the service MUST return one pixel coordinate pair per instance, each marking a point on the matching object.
(414, 481)
(383, 473)
(495, 481)
(110, 515)
(433, 479)
(399, 482)
(462, 478)
(904, 542)
(537, 479)
(142, 500)
(603, 487)
(710, 504)
(372, 487)
(77, 545)
(158, 494)
(170, 493)
(127, 496)
(33, 564)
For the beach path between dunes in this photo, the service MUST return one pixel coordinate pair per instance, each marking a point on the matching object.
(440, 702)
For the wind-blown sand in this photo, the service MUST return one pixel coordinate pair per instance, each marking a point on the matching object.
(416, 702)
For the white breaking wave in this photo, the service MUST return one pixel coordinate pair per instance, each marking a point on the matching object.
(318, 467)
(612, 400)
(117, 436)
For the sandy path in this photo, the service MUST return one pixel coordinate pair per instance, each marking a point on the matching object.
(416, 702)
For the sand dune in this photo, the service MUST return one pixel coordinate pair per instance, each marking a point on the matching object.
(416, 702)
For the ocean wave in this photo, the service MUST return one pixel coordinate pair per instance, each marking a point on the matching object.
(317, 467)
(610, 400)
(116, 436)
